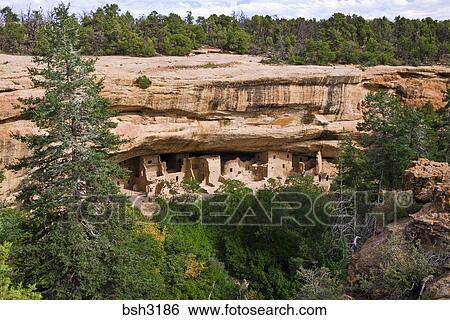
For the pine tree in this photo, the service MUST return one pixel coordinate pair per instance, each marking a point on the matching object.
(7, 290)
(78, 219)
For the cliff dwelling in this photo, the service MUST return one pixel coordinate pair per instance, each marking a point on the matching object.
(300, 109)
(150, 173)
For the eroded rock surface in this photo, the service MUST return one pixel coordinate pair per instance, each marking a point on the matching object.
(430, 184)
(222, 102)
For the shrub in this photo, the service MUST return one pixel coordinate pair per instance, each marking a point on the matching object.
(177, 45)
(215, 103)
(191, 186)
(318, 284)
(399, 274)
(404, 268)
(143, 82)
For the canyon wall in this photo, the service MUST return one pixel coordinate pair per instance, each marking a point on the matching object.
(221, 102)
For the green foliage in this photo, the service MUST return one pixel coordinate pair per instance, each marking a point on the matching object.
(353, 165)
(339, 39)
(318, 52)
(143, 82)
(267, 254)
(182, 262)
(79, 225)
(7, 290)
(238, 41)
(319, 284)
(186, 262)
(400, 272)
(443, 129)
(12, 223)
(12, 32)
(215, 103)
(302, 184)
(108, 32)
(191, 186)
(236, 189)
(177, 45)
(395, 135)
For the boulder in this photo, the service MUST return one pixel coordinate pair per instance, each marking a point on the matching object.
(430, 184)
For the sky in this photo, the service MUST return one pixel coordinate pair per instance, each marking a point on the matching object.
(437, 9)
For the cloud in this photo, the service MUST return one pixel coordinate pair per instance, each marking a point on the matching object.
(437, 9)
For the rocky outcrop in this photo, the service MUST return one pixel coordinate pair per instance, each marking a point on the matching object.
(222, 102)
(430, 185)
(439, 288)
(430, 182)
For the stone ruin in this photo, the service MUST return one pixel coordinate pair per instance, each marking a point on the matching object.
(150, 173)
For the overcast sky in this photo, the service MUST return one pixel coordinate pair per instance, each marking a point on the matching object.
(438, 9)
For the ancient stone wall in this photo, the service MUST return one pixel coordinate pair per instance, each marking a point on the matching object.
(241, 105)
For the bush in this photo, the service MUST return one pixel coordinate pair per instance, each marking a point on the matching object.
(318, 284)
(177, 45)
(143, 82)
(215, 103)
(399, 274)
(191, 186)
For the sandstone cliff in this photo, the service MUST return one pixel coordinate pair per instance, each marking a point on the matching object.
(220, 102)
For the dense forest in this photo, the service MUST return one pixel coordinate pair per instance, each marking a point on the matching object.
(340, 39)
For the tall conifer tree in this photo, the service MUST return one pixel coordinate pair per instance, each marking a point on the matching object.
(77, 215)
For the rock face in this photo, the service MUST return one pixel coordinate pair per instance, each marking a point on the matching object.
(221, 102)
(430, 184)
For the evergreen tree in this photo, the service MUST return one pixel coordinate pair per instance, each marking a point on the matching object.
(339, 39)
(78, 225)
(12, 32)
(395, 134)
(238, 41)
(177, 44)
(354, 172)
(7, 291)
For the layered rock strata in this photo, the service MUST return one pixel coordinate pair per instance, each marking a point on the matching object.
(220, 102)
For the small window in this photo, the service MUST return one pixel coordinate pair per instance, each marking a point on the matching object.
(231, 169)
(129, 181)
(284, 166)
(287, 155)
(203, 165)
(274, 157)
(118, 183)
(149, 161)
(176, 178)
